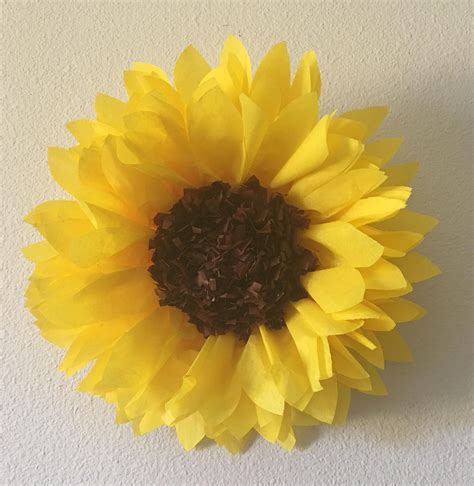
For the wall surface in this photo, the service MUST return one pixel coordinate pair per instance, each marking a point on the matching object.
(412, 55)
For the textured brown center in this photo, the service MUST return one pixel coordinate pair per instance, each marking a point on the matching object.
(228, 257)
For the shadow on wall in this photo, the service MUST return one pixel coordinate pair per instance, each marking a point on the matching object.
(442, 341)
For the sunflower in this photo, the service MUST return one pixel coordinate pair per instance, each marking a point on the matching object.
(230, 261)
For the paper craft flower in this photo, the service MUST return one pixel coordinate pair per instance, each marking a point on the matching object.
(230, 260)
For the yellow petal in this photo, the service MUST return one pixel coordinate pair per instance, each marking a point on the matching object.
(401, 310)
(121, 293)
(330, 169)
(383, 149)
(344, 362)
(64, 167)
(39, 252)
(208, 386)
(275, 66)
(396, 243)
(105, 242)
(374, 355)
(271, 430)
(94, 376)
(387, 294)
(216, 134)
(323, 404)
(416, 267)
(134, 356)
(371, 117)
(233, 50)
(364, 310)
(95, 340)
(190, 430)
(287, 367)
(383, 275)
(90, 133)
(60, 222)
(401, 174)
(370, 210)
(335, 289)
(267, 96)
(307, 77)
(257, 382)
(255, 124)
(317, 365)
(401, 193)
(146, 194)
(343, 402)
(347, 127)
(303, 419)
(312, 152)
(286, 436)
(243, 418)
(321, 323)
(361, 338)
(149, 69)
(394, 347)
(382, 322)
(378, 387)
(110, 110)
(362, 385)
(407, 220)
(189, 70)
(346, 241)
(343, 191)
(231, 443)
(285, 135)
(221, 78)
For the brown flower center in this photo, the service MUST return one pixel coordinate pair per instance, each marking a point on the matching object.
(228, 257)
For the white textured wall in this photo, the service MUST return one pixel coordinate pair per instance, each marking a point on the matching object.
(412, 55)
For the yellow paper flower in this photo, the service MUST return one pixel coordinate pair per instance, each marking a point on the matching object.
(275, 240)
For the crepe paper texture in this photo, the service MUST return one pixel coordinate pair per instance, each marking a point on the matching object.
(101, 282)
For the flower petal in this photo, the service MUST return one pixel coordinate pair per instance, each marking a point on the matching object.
(255, 125)
(287, 367)
(110, 111)
(344, 362)
(382, 150)
(312, 152)
(343, 191)
(273, 69)
(371, 209)
(383, 275)
(257, 382)
(319, 322)
(190, 430)
(189, 70)
(307, 77)
(396, 243)
(371, 117)
(333, 167)
(417, 267)
(285, 135)
(216, 134)
(234, 52)
(401, 174)
(407, 220)
(323, 404)
(108, 296)
(335, 289)
(343, 239)
(401, 310)
(394, 347)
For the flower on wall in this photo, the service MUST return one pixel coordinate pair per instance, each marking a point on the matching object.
(231, 261)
